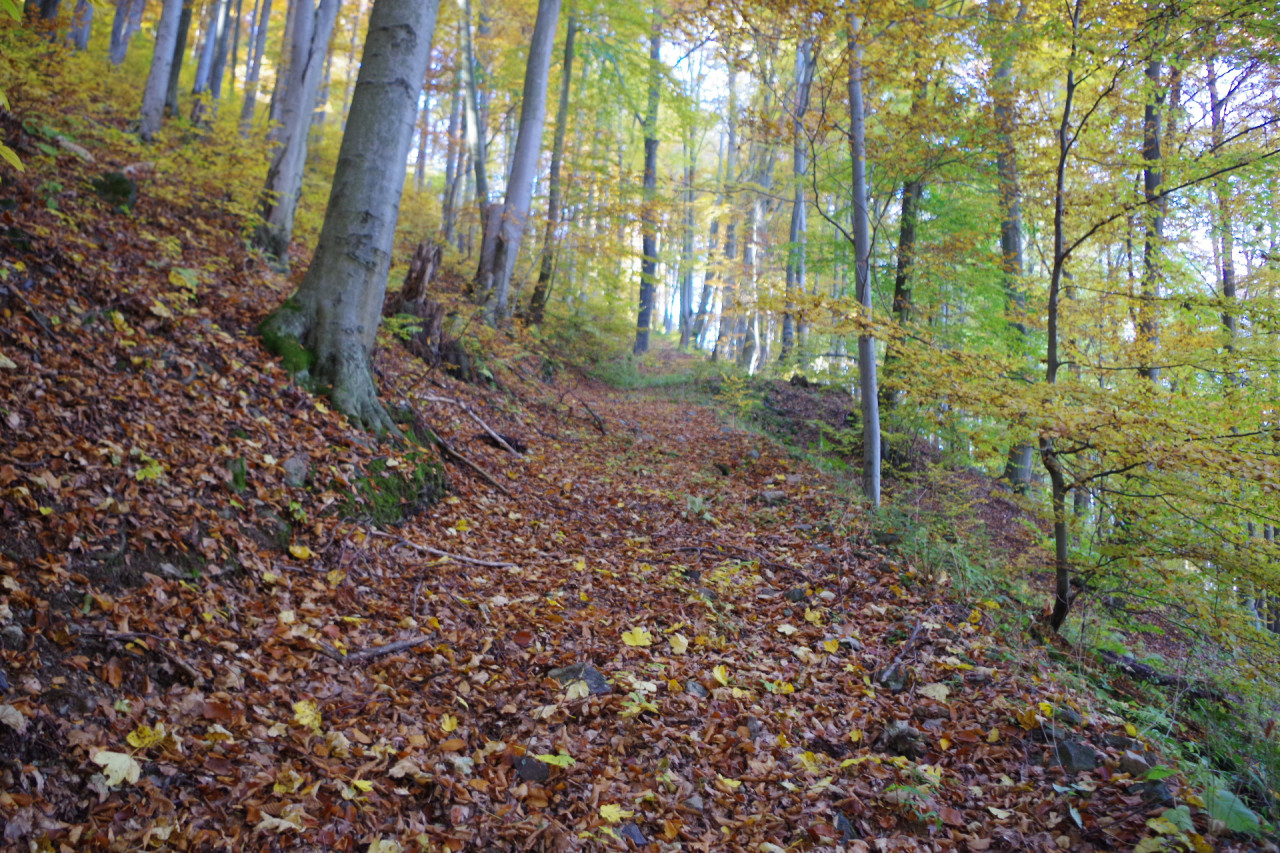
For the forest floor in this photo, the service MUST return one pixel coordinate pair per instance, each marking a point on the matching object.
(206, 643)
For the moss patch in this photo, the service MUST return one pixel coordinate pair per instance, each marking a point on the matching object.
(281, 342)
(389, 495)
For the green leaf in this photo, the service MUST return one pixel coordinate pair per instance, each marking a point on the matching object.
(11, 8)
(1231, 810)
(1158, 773)
(10, 156)
(561, 760)
(1180, 817)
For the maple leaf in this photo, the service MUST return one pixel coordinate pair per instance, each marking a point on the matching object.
(561, 760)
(720, 673)
(118, 767)
(679, 644)
(144, 736)
(637, 637)
(937, 692)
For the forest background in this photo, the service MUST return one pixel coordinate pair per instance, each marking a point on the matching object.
(1039, 242)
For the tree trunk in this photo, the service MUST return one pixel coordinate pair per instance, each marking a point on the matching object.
(724, 338)
(238, 18)
(334, 315)
(454, 165)
(547, 265)
(1222, 195)
(179, 55)
(1048, 446)
(1017, 468)
(806, 63)
(476, 143)
(81, 25)
(122, 30)
(685, 281)
(524, 164)
(158, 78)
(208, 56)
(423, 125)
(219, 69)
(1148, 330)
(862, 263)
(313, 25)
(648, 213)
(261, 22)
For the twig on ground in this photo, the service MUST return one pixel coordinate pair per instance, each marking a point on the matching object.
(130, 636)
(760, 558)
(372, 652)
(427, 549)
(455, 456)
(35, 315)
(502, 442)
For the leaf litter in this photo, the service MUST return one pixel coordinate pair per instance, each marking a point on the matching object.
(201, 653)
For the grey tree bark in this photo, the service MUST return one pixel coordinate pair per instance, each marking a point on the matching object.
(862, 252)
(122, 29)
(335, 313)
(524, 165)
(453, 165)
(724, 338)
(475, 135)
(547, 263)
(81, 25)
(312, 27)
(158, 78)
(1153, 237)
(1222, 195)
(213, 31)
(261, 21)
(648, 215)
(1017, 469)
(806, 63)
(179, 54)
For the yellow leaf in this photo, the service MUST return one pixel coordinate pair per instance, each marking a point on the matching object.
(1002, 814)
(300, 552)
(936, 692)
(721, 674)
(384, 845)
(813, 616)
(270, 577)
(160, 309)
(1046, 709)
(449, 722)
(7, 363)
(637, 637)
(993, 736)
(944, 744)
(1131, 729)
(462, 525)
(580, 565)
(561, 760)
(831, 646)
(855, 735)
(118, 767)
(335, 577)
(307, 715)
(614, 813)
(728, 784)
(145, 736)
(362, 785)
(679, 644)
(287, 781)
(787, 630)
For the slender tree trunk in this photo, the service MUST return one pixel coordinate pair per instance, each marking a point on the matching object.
(81, 25)
(283, 71)
(806, 63)
(1017, 468)
(648, 213)
(351, 59)
(219, 69)
(547, 264)
(702, 319)
(337, 309)
(685, 281)
(312, 28)
(457, 164)
(161, 62)
(179, 56)
(1148, 329)
(261, 22)
(862, 252)
(1048, 446)
(235, 41)
(119, 32)
(423, 124)
(1222, 195)
(476, 143)
(724, 338)
(524, 162)
(213, 29)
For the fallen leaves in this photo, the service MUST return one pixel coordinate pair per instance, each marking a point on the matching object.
(118, 767)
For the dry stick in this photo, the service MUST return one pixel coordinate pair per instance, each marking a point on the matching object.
(35, 315)
(502, 442)
(129, 636)
(455, 456)
(372, 652)
(426, 549)
(760, 558)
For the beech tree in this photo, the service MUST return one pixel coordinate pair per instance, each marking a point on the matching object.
(326, 330)
(158, 79)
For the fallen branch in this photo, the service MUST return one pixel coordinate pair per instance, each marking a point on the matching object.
(133, 636)
(454, 456)
(599, 422)
(371, 652)
(502, 442)
(758, 557)
(427, 549)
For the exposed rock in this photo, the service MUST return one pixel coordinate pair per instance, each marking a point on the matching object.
(795, 595)
(887, 537)
(1074, 756)
(12, 637)
(900, 738)
(596, 683)
(695, 803)
(169, 570)
(1122, 743)
(845, 828)
(1067, 716)
(632, 833)
(1134, 764)
(296, 470)
(695, 688)
(1155, 792)
(753, 453)
(531, 769)
(853, 644)
(773, 497)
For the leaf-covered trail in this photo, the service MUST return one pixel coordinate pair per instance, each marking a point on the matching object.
(202, 647)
